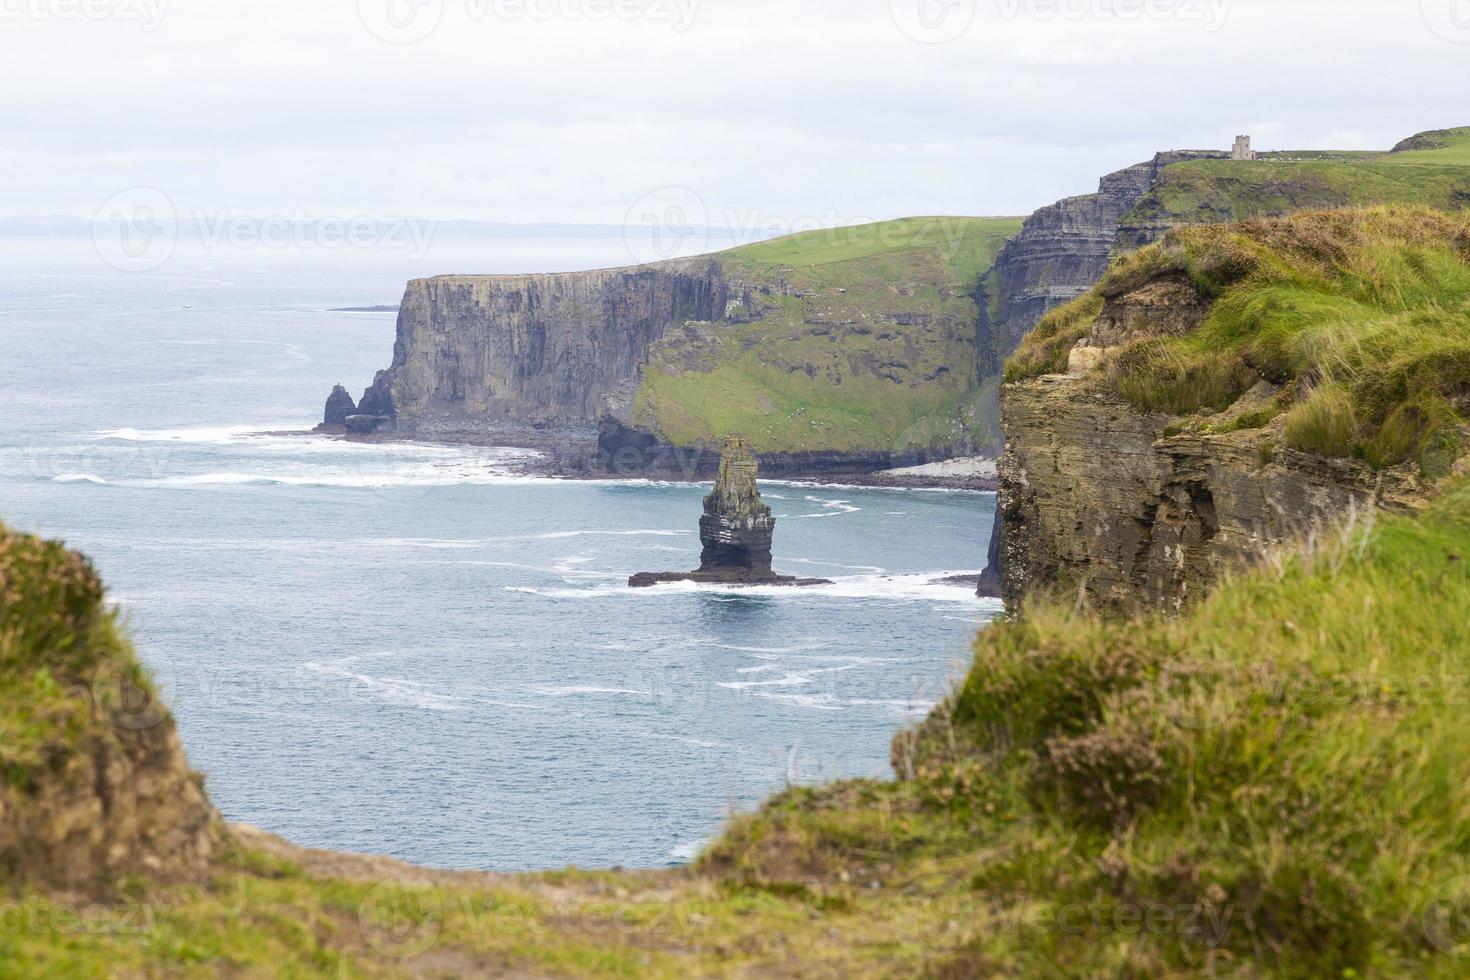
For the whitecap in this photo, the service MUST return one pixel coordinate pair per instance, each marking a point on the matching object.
(687, 853)
(395, 690)
(574, 690)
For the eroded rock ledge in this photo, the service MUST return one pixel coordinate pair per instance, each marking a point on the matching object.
(1128, 509)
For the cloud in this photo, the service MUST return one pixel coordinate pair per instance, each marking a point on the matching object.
(538, 110)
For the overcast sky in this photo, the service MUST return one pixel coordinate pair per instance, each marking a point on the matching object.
(794, 111)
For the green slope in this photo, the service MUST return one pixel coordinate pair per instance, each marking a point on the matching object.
(1431, 169)
(854, 339)
(1362, 316)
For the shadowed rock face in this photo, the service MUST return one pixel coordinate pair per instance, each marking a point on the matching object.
(737, 526)
(736, 530)
(565, 348)
(340, 407)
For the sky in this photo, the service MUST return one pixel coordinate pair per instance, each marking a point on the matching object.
(747, 113)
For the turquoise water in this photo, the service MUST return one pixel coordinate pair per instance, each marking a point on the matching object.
(409, 650)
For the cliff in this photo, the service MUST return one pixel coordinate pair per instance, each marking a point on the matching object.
(476, 350)
(1063, 250)
(1227, 392)
(93, 781)
(848, 349)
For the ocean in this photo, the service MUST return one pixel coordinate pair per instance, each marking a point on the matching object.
(410, 650)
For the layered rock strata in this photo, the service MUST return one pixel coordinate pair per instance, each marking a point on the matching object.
(735, 530)
(1062, 251)
(475, 351)
(1128, 509)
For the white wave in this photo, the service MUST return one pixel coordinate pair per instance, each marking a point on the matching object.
(560, 535)
(923, 587)
(424, 476)
(395, 690)
(834, 508)
(574, 690)
(830, 702)
(822, 485)
(771, 650)
(435, 543)
(205, 435)
(687, 853)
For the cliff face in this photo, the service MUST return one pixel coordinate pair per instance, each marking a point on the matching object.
(1154, 462)
(472, 350)
(1062, 250)
(1100, 497)
(840, 350)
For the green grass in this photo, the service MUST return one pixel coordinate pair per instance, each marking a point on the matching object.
(1364, 315)
(967, 245)
(1197, 191)
(52, 640)
(866, 342)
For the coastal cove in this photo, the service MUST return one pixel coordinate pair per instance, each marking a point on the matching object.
(418, 650)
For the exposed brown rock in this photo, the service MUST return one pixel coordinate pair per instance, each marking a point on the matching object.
(1133, 509)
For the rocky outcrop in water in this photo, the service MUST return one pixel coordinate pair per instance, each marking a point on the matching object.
(736, 530)
(340, 407)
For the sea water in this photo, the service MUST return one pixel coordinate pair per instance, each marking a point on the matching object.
(410, 650)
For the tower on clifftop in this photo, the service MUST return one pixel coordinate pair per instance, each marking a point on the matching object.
(1242, 149)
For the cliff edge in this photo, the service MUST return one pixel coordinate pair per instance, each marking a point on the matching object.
(93, 781)
(1228, 391)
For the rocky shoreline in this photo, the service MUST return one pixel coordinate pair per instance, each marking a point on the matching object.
(573, 453)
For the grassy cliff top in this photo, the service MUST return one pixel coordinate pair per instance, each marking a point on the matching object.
(1271, 785)
(856, 339)
(1362, 317)
(1431, 169)
(967, 246)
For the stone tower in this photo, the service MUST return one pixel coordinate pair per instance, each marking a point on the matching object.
(1242, 149)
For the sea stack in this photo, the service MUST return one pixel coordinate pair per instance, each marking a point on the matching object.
(736, 530)
(340, 407)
